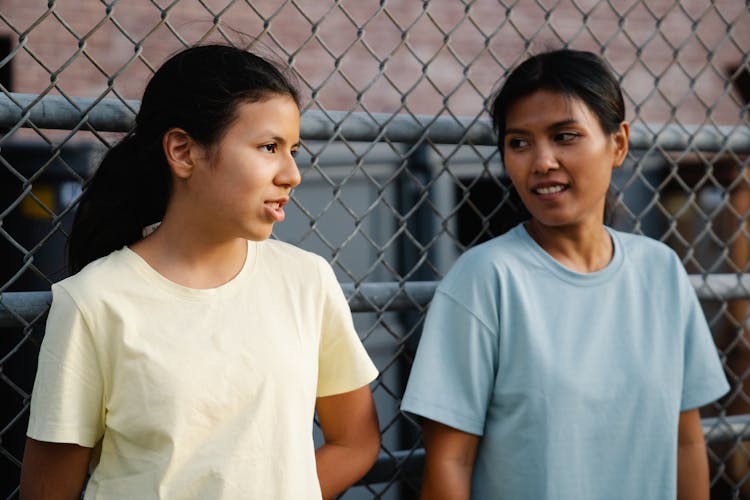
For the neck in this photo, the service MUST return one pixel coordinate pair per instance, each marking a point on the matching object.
(190, 257)
(580, 249)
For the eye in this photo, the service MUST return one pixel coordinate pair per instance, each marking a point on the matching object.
(294, 151)
(516, 143)
(566, 136)
(271, 148)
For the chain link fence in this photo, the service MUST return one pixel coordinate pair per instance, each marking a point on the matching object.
(399, 170)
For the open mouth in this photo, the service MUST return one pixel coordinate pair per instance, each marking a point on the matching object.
(558, 188)
(275, 208)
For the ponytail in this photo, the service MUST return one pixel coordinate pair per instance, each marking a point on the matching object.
(126, 193)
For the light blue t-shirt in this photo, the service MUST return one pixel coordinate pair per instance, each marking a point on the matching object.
(574, 381)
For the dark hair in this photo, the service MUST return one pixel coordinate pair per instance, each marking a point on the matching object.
(573, 73)
(197, 90)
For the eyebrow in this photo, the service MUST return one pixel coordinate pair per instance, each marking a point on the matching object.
(560, 124)
(281, 140)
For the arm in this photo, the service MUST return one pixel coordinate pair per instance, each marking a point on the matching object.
(53, 471)
(692, 464)
(449, 462)
(352, 439)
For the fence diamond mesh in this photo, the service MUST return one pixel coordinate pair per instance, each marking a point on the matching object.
(399, 172)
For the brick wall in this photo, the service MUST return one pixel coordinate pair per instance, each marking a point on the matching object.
(419, 72)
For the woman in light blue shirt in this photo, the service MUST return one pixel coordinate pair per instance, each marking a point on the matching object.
(564, 359)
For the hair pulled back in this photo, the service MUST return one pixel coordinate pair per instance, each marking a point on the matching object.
(573, 73)
(198, 90)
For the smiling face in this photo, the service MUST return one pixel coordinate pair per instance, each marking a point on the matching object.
(560, 160)
(239, 187)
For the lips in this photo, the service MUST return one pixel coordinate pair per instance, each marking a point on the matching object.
(549, 189)
(275, 209)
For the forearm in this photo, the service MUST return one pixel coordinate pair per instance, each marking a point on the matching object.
(341, 466)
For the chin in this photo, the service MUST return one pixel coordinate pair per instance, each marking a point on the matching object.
(551, 221)
(258, 235)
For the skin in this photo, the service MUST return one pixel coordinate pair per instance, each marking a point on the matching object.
(560, 162)
(564, 147)
(692, 462)
(449, 462)
(53, 471)
(222, 197)
(352, 439)
(225, 195)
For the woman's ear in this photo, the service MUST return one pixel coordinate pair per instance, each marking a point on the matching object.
(621, 139)
(179, 151)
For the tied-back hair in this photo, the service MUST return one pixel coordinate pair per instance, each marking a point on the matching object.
(573, 73)
(198, 90)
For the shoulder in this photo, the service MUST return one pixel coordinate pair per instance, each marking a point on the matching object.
(655, 266)
(499, 251)
(90, 293)
(638, 242)
(481, 277)
(290, 254)
(647, 252)
(490, 260)
(111, 271)
(293, 264)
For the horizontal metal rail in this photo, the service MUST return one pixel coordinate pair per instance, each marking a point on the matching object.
(22, 308)
(18, 308)
(114, 115)
(726, 429)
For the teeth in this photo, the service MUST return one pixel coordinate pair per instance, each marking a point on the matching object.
(550, 190)
(274, 205)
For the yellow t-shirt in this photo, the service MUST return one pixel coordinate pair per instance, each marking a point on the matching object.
(188, 393)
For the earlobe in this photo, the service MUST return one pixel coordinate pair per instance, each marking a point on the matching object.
(177, 145)
(621, 138)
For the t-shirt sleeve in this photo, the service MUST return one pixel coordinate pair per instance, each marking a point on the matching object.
(343, 363)
(67, 398)
(453, 374)
(703, 377)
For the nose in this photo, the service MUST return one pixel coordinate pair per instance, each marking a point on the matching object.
(289, 175)
(544, 159)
